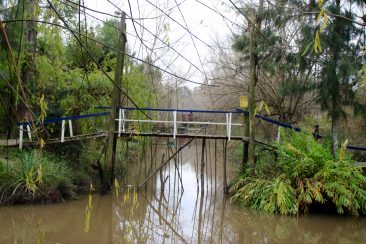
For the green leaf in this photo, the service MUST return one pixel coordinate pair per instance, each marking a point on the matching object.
(43, 107)
(307, 48)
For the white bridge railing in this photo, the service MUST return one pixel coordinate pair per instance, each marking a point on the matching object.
(122, 120)
(29, 132)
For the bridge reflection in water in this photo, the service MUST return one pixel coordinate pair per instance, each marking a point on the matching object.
(171, 209)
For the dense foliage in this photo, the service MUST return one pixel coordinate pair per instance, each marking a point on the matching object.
(303, 178)
(47, 72)
(34, 176)
(55, 64)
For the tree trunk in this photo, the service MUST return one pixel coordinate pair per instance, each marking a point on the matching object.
(335, 129)
(245, 143)
(336, 104)
(28, 71)
(110, 157)
(252, 86)
(252, 103)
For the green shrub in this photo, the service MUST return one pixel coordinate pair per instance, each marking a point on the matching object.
(33, 177)
(304, 176)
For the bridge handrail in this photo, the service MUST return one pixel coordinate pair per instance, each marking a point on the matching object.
(60, 119)
(173, 109)
(237, 111)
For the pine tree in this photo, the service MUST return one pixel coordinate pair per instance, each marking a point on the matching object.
(337, 58)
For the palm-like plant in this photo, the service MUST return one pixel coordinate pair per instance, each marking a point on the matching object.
(307, 176)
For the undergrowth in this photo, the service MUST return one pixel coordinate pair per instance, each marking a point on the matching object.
(35, 176)
(304, 177)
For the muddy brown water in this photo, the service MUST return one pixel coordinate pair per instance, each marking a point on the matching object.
(174, 213)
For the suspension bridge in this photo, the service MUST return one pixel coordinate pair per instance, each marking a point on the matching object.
(168, 123)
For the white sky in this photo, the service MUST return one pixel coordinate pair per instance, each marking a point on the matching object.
(202, 22)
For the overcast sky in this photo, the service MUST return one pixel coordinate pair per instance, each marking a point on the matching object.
(202, 22)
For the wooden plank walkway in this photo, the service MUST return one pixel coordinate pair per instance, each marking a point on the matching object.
(15, 142)
(10, 142)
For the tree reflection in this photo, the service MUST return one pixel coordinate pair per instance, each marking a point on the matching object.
(162, 215)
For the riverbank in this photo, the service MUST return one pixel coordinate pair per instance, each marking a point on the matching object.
(302, 176)
(36, 177)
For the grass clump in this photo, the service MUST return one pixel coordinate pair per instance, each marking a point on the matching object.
(35, 176)
(304, 177)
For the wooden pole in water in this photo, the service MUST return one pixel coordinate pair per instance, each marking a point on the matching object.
(245, 143)
(203, 166)
(225, 179)
(215, 158)
(162, 180)
(110, 156)
(163, 164)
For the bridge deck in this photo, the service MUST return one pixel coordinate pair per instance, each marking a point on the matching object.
(130, 134)
(184, 120)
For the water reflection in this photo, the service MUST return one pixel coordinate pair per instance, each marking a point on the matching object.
(171, 209)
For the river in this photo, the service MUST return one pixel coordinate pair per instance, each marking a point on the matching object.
(175, 211)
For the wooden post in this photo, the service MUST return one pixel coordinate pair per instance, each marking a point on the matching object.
(225, 159)
(29, 132)
(70, 129)
(116, 97)
(244, 106)
(62, 130)
(20, 137)
(166, 162)
(203, 166)
(245, 142)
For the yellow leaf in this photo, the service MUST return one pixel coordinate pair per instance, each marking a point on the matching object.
(325, 19)
(319, 16)
(87, 219)
(43, 107)
(135, 203)
(320, 2)
(116, 186)
(260, 106)
(258, 109)
(88, 210)
(267, 108)
(317, 45)
(343, 149)
(126, 196)
(40, 174)
(41, 142)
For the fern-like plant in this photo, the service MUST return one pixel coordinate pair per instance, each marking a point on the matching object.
(305, 175)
